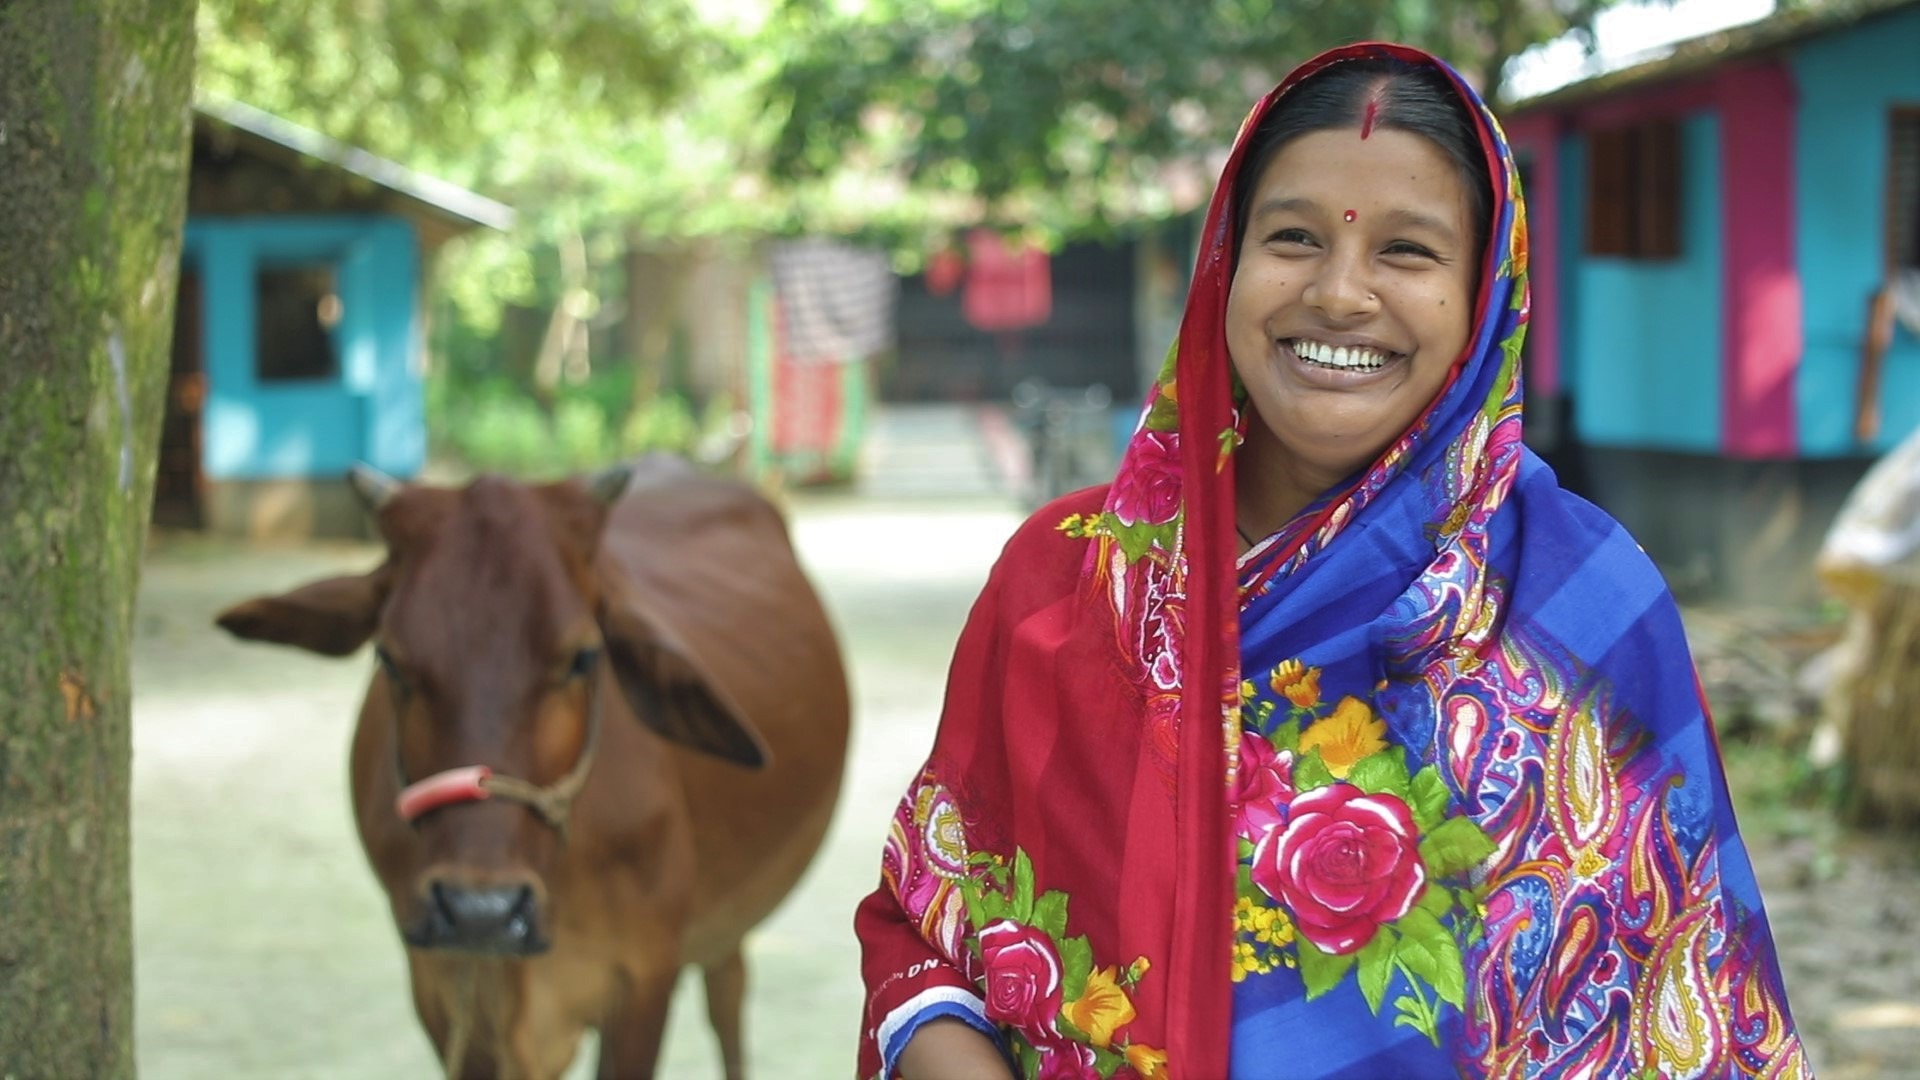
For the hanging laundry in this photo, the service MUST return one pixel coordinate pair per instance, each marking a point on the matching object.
(945, 270)
(838, 299)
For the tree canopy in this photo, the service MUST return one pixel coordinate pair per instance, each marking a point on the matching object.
(672, 119)
(1084, 110)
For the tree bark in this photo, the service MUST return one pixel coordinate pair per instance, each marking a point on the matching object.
(94, 149)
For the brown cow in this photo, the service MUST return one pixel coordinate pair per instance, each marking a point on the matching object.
(604, 739)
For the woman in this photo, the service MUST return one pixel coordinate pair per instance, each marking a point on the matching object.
(1333, 738)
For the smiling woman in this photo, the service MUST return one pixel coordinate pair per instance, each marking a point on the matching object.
(1413, 779)
(1363, 211)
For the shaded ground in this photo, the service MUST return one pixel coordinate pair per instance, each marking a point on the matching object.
(264, 949)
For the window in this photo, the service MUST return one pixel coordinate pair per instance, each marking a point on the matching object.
(1903, 189)
(297, 309)
(1633, 191)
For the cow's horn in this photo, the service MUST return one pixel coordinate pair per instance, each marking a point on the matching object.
(374, 487)
(608, 484)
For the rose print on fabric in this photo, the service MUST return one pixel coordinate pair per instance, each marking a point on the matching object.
(1147, 489)
(1345, 863)
(1069, 1018)
(1067, 1061)
(1262, 786)
(1351, 867)
(1023, 975)
(1146, 503)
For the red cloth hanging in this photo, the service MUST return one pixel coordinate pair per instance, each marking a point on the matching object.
(807, 410)
(945, 270)
(1008, 287)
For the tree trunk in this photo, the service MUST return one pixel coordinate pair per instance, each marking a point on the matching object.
(94, 150)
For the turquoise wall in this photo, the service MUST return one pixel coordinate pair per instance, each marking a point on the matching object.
(1847, 82)
(1642, 338)
(374, 411)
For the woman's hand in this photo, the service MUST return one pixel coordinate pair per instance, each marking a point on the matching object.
(947, 1049)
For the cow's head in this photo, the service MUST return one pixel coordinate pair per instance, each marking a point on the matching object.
(498, 636)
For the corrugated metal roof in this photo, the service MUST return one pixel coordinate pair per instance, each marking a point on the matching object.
(1711, 50)
(431, 193)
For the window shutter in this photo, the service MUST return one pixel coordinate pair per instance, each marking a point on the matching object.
(1610, 192)
(1903, 188)
(1657, 185)
(1633, 191)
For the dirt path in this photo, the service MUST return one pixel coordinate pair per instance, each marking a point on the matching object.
(1845, 911)
(264, 948)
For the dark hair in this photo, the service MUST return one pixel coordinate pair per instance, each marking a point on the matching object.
(1410, 97)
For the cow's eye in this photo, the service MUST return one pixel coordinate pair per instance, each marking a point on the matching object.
(583, 664)
(391, 669)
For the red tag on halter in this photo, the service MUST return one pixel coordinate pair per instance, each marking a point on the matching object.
(444, 789)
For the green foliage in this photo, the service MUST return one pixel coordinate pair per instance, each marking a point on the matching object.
(1050, 915)
(1286, 737)
(1076, 964)
(1375, 960)
(1383, 773)
(1436, 900)
(1310, 771)
(895, 119)
(1022, 887)
(1455, 846)
(1429, 798)
(1428, 950)
(442, 74)
(1321, 971)
(1080, 112)
(494, 425)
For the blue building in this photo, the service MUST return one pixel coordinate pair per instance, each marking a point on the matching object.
(299, 340)
(1709, 232)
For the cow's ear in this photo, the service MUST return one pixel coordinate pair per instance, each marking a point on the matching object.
(670, 691)
(331, 617)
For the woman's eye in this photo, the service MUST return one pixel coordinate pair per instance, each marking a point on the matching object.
(583, 664)
(1291, 236)
(1407, 247)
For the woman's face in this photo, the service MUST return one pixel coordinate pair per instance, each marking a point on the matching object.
(1353, 295)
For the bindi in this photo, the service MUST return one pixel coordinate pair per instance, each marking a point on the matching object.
(1366, 123)
(1350, 215)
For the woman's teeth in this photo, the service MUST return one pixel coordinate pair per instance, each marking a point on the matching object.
(1344, 357)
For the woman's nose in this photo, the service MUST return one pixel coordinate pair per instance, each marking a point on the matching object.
(1341, 289)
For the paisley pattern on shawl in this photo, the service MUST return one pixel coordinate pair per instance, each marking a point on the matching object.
(1450, 664)
(1526, 651)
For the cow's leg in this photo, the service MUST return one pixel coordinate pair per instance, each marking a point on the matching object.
(726, 992)
(631, 1034)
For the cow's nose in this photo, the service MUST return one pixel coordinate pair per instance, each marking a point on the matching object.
(492, 919)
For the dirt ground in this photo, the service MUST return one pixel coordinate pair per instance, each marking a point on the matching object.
(264, 949)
